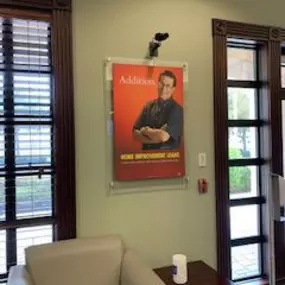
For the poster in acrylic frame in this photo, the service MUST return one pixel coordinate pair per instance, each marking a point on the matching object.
(148, 105)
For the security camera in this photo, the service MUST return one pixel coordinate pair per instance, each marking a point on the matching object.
(156, 43)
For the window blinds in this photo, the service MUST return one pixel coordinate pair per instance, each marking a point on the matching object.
(26, 129)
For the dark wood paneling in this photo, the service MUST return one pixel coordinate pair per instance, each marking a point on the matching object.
(276, 165)
(30, 14)
(265, 147)
(221, 143)
(275, 106)
(282, 34)
(275, 34)
(61, 4)
(64, 121)
(279, 249)
(38, 4)
(34, 2)
(247, 30)
(275, 117)
(242, 30)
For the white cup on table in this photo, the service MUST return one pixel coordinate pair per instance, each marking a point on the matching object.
(180, 271)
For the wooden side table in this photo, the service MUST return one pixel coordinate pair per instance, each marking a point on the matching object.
(199, 273)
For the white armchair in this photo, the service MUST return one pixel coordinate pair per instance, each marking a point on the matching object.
(86, 261)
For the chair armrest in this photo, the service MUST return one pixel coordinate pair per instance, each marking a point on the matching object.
(18, 275)
(136, 272)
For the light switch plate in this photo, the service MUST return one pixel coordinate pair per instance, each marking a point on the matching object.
(202, 159)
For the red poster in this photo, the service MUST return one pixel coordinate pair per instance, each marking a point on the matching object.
(148, 122)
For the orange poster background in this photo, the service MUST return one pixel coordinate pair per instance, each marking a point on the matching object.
(128, 102)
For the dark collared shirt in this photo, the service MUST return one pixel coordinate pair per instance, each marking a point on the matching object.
(158, 113)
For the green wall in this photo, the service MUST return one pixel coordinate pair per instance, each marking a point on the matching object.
(157, 224)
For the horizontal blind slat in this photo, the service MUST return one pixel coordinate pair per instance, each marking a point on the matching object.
(21, 51)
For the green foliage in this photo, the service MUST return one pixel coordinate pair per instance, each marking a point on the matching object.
(240, 177)
(234, 153)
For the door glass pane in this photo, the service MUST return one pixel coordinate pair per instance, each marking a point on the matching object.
(243, 182)
(241, 64)
(2, 144)
(32, 236)
(3, 262)
(1, 91)
(283, 134)
(283, 71)
(241, 104)
(242, 142)
(2, 199)
(245, 261)
(244, 221)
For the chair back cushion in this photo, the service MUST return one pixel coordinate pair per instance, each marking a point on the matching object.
(83, 261)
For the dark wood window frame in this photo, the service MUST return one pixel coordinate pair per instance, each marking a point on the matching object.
(271, 38)
(257, 160)
(58, 12)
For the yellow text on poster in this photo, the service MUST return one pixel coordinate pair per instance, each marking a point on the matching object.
(149, 156)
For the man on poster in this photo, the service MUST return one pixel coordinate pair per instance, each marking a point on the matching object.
(160, 124)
